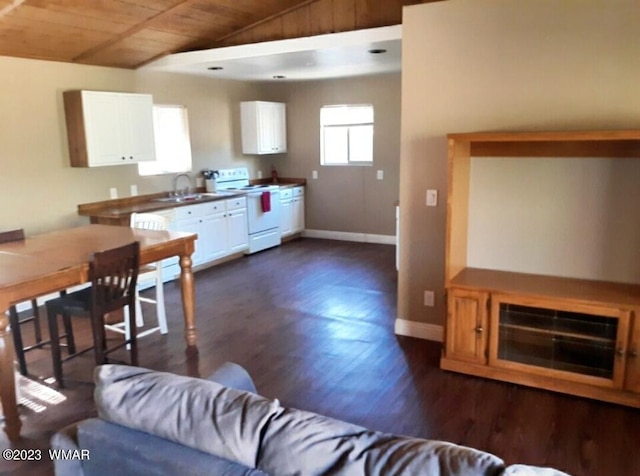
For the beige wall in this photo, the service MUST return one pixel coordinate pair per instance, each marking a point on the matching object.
(345, 199)
(40, 191)
(575, 217)
(473, 65)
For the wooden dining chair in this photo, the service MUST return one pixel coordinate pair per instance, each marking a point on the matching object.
(16, 321)
(151, 273)
(113, 274)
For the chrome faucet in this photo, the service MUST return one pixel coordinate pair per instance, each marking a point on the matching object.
(184, 190)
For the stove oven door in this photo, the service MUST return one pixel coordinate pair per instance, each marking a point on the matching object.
(259, 220)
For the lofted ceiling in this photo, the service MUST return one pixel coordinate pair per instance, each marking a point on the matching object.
(134, 33)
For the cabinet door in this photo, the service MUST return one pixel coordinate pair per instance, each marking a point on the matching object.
(466, 333)
(572, 342)
(297, 214)
(101, 113)
(632, 379)
(286, 217)
(193, 225)
(278, 127)
(237, 231)
(136, 112)
(213, 236)
(263, 127)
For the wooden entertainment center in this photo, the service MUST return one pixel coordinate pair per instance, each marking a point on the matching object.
(575, 336)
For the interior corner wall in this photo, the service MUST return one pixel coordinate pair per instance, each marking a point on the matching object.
(347, 199)
(501, 65)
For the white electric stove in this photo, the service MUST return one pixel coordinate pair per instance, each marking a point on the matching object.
(263, 207)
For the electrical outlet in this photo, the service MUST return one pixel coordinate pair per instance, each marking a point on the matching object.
(259, 174)
(314, 175)
(380, 174)
(432, 198)
(429, 298)
(134, 190)
(113, 192)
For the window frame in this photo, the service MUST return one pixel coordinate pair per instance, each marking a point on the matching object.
(347, 127)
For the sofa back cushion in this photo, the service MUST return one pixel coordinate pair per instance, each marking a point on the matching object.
(197, 413)
(302, 443)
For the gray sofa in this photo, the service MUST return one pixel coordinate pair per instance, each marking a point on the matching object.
(155, 423)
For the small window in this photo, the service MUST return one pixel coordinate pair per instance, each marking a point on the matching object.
(173, 147)
(346, 135)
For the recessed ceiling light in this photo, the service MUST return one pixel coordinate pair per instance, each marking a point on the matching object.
(377, 51)
(279, 76)
(215, 68)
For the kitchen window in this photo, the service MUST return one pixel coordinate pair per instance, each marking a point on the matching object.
(346, 135)
(173, 147)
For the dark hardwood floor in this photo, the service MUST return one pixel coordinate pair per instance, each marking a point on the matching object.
(312, 321)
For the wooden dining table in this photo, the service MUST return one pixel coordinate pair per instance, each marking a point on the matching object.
(58, 260)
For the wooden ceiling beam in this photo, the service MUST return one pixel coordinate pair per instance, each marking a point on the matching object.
(135, 29)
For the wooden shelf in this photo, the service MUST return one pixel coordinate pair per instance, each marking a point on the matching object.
(552, 144)
(577, 291)
(582, 336)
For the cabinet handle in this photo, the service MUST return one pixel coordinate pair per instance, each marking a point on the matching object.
(479, 330)
(620, 351)
(131, 157)
(633, 352)
(124, 158)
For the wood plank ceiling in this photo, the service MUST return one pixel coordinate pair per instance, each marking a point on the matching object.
(131, 33)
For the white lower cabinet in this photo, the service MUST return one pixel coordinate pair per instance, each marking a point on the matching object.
(221, 227)
(285, 212)
(291, 211)
(297, 210)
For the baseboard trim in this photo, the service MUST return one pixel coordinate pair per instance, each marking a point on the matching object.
(420, 330)
(348, 236)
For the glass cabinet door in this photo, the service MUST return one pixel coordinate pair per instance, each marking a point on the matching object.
(581, 344)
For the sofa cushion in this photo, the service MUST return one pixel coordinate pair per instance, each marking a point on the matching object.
(197, 413)
(302, 443)
(114, 449)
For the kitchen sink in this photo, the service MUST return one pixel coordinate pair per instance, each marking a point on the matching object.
(193, 197)
(181, 198)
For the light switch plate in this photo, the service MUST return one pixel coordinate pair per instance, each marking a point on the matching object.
(113, 193)
(134, 190)
(380, 174)
(314, 174)
(432, 198)
(259, 174)
(429, 298)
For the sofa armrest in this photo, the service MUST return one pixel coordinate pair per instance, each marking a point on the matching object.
(233, 376)
(67, 440)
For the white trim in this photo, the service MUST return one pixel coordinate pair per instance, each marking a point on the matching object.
(421, 330)
(348, 236)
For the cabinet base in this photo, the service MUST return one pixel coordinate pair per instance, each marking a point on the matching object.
(611, 395)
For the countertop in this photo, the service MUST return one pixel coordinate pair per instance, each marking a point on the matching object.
(118, 211)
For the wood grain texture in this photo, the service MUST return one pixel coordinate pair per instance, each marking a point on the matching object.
(320, 337)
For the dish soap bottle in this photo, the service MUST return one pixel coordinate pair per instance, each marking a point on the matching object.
(274, 175)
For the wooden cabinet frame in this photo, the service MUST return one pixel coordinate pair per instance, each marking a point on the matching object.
(469, 288)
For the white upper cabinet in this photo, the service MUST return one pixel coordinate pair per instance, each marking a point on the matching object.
(107, 128)
(264, 127)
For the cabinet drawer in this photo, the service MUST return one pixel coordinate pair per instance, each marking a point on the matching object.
(286, 193)
(298, 191)
(236, 203)
(190, 211)
(212, 208)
